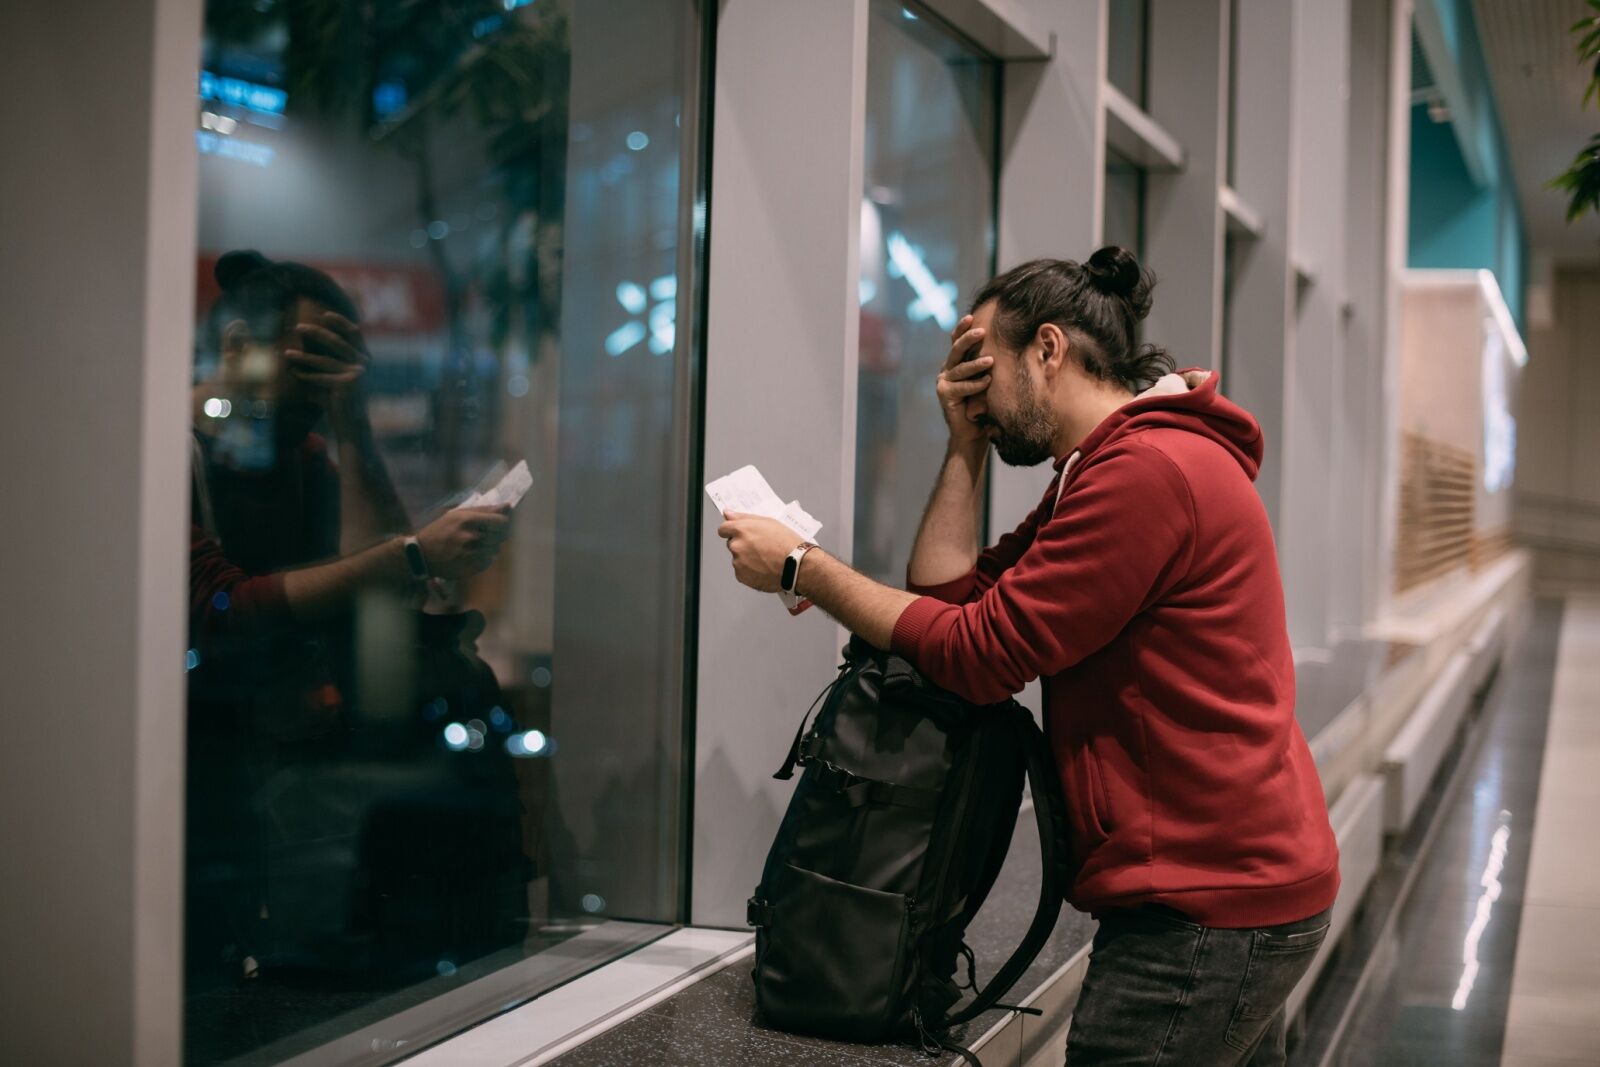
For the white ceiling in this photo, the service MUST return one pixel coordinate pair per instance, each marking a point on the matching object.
(1539, 83)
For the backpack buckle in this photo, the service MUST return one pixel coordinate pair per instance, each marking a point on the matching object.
(757, 912)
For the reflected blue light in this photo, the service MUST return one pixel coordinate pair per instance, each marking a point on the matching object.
(241, 93)
(484, 27)
(593, 903)
(909, 14)
(191, 659)
(438, 229)
(638, 140)
(210, 144)
(455, 737)
(541, 677)
(512, 5)
(220, 601)
(446, 968)
(499, 719)
(867, 290)
(664, 287)
(389, 97)
(517, 385)
(624, 337)
(663, 328)
(631, 297)
(934, 298)
(534, 742)
(438, 708)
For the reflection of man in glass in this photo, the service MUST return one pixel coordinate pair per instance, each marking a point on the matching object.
(291, 765)
(307, 534)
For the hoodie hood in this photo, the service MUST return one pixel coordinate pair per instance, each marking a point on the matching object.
(1187, 400)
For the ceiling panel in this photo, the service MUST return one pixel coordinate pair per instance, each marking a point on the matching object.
(1538, 84)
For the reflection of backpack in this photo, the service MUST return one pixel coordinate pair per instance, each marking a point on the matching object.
(894, 836)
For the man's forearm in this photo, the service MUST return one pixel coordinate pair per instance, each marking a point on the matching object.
(947, 541)
(865, 607)
(317, 592)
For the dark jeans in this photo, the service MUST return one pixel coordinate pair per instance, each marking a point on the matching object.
(1163, 990)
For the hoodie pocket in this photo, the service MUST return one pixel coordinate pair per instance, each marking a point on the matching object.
(1100, 806)
(1084, 796)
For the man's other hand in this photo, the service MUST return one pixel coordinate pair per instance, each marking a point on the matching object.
(464, 541)
(963, 381)
(759, 546)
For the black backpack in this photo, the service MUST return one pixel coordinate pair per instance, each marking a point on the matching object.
(895, 834)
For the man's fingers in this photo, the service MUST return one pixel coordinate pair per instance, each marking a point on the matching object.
(341, 325)
(962, 390)
(336, 344)
(970, 369)
(488, 523)
(961, 346)
(311, 361)
(961, 327)
(324, 379)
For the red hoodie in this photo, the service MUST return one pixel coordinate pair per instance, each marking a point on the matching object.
(1146, 595)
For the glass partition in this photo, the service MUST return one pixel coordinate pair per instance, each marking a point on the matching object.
(444, 408)
(1127, 48)
(927, 244)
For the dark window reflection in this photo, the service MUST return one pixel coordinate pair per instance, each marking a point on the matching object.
(444, 246)
(1125, 203)
(1128, 48)
(927, 242)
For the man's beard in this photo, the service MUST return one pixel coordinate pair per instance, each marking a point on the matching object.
(1030, 438)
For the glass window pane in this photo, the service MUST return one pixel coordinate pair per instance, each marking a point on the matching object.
(1233, 91)
(927, 240)
(1127, 48)
(1232, 249)
(1124, 207)
(445, 250)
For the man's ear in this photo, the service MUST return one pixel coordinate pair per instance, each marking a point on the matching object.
(235, 339)
(1054, 348)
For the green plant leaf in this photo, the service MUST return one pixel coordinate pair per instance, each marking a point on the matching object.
(1581, 181)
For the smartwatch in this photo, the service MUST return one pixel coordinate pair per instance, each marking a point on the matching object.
(791, 566)
(415, 561)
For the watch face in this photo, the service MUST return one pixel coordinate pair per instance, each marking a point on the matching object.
(790, 566)
(414, 560)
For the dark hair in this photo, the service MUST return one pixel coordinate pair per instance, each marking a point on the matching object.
(1099, 302)
(263, 293)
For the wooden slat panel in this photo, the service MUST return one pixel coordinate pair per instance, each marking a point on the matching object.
(1438, 492)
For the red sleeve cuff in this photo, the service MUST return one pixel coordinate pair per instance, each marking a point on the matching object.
(913, 626)
(955, 591)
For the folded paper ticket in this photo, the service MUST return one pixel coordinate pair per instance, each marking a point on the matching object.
(507, 492)
(746, 492)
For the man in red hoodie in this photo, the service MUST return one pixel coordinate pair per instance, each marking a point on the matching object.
(1144, 592)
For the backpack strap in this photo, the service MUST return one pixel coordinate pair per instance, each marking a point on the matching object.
(1050, 814)
(796, 755)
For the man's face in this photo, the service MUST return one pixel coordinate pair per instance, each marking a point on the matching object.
(258, 371)
(1012, 409)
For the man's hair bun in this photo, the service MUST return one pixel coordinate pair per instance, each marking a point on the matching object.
(234, 267)
(1115, 271)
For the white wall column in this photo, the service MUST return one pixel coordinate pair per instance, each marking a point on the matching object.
(1321, 70)
(98, 258)
(1264, 285)
(1360, 438)
(782, 333)
(1187, 68)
